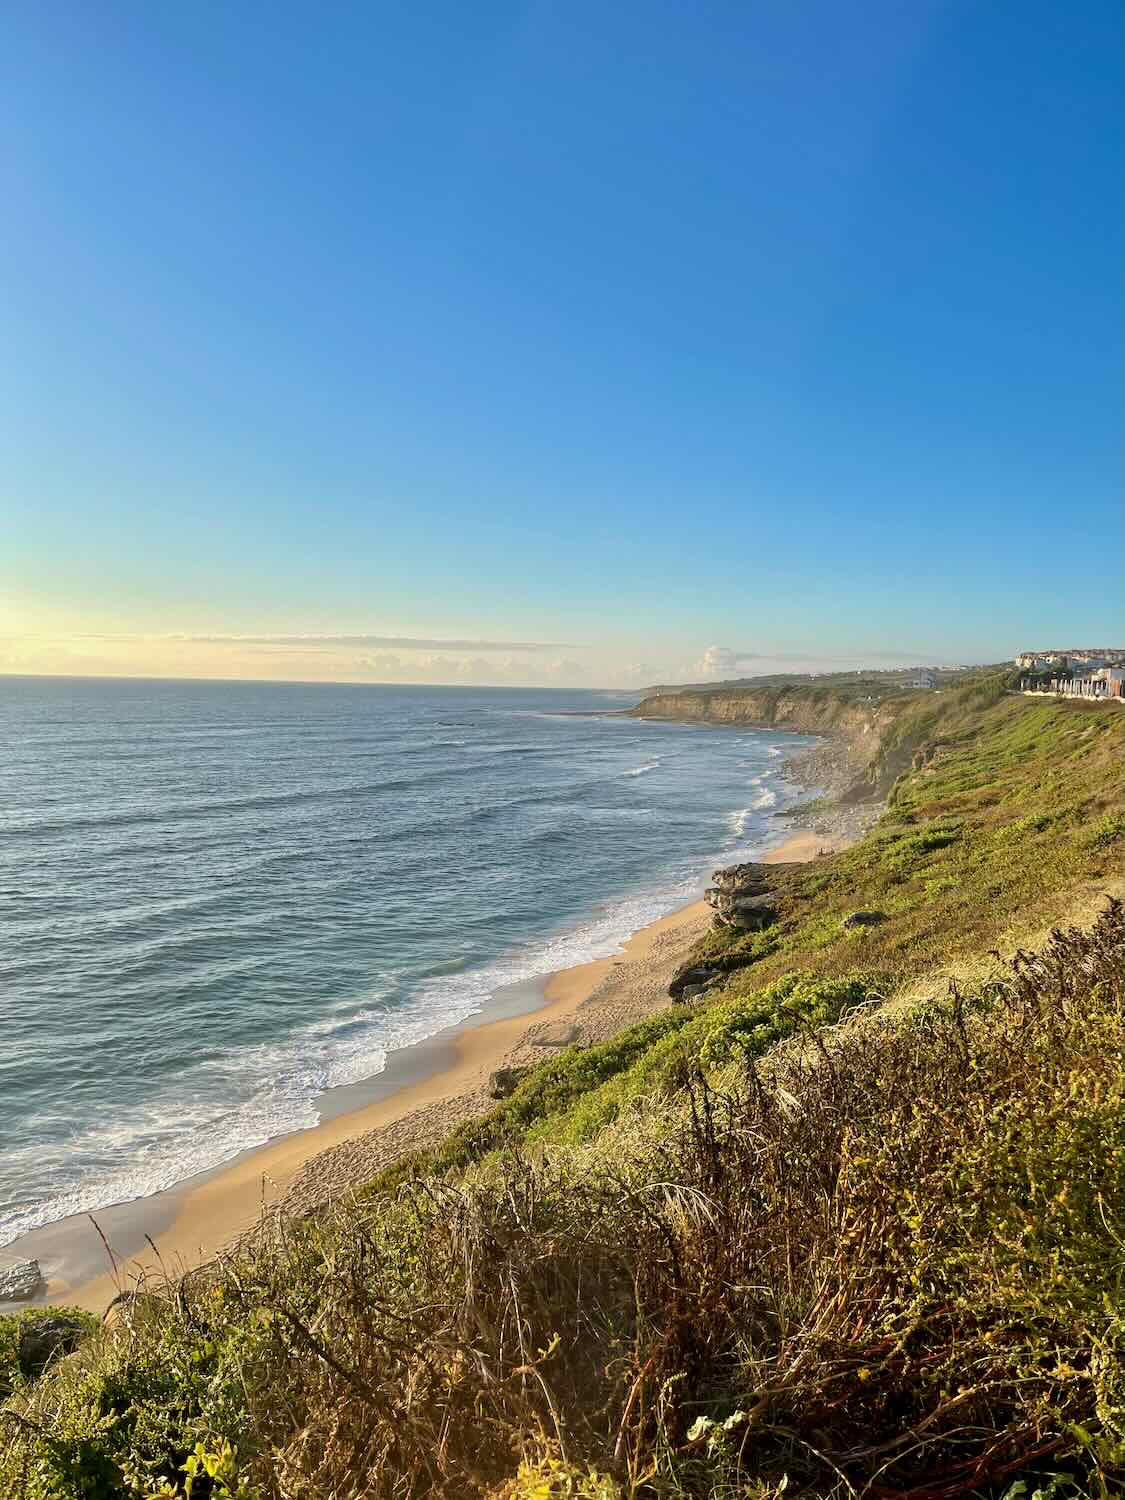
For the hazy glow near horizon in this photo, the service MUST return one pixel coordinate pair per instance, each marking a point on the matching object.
(533, 344)
(384, 659)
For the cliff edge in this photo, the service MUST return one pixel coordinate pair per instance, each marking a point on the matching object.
(863, 723)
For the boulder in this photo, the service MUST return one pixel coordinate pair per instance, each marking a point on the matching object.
(743, 910)
(744, 877)
(766, 902)
(42, 1339)
(691, 977)
(504, 1081)
(742, 896)
(19, 1279)
(864, 919)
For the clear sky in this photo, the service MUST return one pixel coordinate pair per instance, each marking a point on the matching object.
(576, 342)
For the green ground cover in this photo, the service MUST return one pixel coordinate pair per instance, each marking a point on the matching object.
(795, 1241)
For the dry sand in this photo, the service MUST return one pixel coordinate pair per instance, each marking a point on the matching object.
(588, 1003)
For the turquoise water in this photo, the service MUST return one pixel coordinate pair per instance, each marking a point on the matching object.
(218, 900)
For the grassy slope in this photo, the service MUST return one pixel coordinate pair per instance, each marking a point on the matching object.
(1008, 804)
(882, 1259)
(1014, 807)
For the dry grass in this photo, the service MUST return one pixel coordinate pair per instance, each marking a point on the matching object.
(799, 1242)
(887, 1265)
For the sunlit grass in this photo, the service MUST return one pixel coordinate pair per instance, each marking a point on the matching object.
(839, 1231)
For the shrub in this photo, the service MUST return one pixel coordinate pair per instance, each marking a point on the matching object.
(14, 1370)
(886, 1263)
(1106, 831)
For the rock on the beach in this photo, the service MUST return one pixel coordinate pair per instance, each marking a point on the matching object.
(863, 919)
(19, 1279)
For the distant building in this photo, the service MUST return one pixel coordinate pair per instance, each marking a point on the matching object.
(1080, 656)
(1114, 679)
(923, 679)
(1101, 682)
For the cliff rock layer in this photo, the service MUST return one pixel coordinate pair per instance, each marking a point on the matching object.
(859, 724)
(800, 709)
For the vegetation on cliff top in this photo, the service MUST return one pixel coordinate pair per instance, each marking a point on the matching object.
(798, 1240)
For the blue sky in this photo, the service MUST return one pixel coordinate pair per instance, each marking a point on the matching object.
(617, 331)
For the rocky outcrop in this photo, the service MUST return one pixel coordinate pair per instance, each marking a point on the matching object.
(859, 726)
(742, 896)
(745, 897)
(863, 919)
(504, 1081)
(19, 1279)
(43, 1339)
(690, 982)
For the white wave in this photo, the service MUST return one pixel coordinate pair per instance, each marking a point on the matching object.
(739, 817)
(479, 749)
(640, 770)
(164, 1142)
(736, 820)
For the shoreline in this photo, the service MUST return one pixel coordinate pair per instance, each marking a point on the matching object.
(425, 1090)
(433, 1087)
(193, 1220)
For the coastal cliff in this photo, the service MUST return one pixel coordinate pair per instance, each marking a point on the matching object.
(860, 1119)
(801, 710)
(878, 733)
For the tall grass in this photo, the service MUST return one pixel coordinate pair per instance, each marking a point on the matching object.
(796, 1242)
(887, 1263)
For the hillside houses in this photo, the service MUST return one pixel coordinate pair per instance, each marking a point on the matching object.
(1105, 682)
(1076, 673)
(1073, 659)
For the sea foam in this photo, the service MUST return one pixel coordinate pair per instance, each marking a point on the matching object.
(240, 898)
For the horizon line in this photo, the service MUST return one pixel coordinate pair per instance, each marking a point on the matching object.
(470, 687)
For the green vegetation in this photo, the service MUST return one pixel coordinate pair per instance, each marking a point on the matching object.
(24, 1352)
(846, 1229)
(849, 687)
(1006, 807)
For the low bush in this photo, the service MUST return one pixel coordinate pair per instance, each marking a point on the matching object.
(888, 1263)
(17, 1365)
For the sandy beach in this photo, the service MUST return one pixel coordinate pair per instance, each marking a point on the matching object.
(431, 1090)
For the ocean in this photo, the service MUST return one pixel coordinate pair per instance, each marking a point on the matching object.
(219, 900)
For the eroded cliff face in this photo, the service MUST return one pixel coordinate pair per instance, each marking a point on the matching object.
(860, 726)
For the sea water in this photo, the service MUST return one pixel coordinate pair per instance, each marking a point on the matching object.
(218, 900)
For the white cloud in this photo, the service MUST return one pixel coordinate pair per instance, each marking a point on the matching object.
(717, 662)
